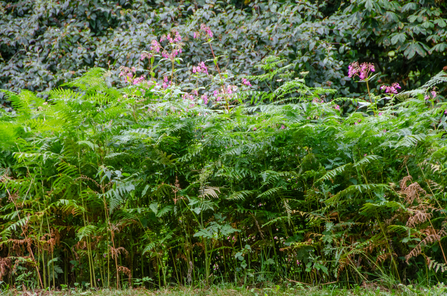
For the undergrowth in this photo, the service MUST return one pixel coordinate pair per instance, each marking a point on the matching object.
(158, 183)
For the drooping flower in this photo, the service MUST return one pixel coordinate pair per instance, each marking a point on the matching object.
(433, 94)
(138, 80)
(205, 99)
(391, 89)
(207, 30)
(246, 82)
(361, 70)
(155, 46)
(166, 82)
(145, 55)
(337, 107)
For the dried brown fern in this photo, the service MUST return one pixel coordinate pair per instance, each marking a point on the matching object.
(418, 217)
(411, 192)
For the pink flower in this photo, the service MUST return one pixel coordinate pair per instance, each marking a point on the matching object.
(205, 99)
(155, 46)
(337, 107)
(283, 127)
(195, 35)
(254, 128)
(361, 70)
(433, 94)
(203, 68)
(145, 55)
(166, 82)
(391, 89)
(207, 30)
(246, 82)
(380, 113)
(138, 80)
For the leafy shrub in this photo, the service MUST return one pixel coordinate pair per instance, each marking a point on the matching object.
(46, 43)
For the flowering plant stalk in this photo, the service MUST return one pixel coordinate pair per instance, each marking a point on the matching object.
(363, 71)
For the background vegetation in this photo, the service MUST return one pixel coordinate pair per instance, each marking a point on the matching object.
(209, 148)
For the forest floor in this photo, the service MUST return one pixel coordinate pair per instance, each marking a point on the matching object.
(441, 289)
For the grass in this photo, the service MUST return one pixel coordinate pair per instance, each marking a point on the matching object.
(371, 290)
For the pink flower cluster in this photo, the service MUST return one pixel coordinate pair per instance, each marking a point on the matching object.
(201, 68)
(391, 89)
(207, 30)
(155, 46)
(128, 73)
(138, 80)
(195, 95)
(225, 91)
(246, 82)
(177, 37)
(166, 82)
(433, 95)
(145, 55)
(171, 56)
(362, 70)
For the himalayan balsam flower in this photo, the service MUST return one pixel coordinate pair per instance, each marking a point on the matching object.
(166, 83)
(207, 30)
(361, 70)
(138, 80)
(246, 82)
(155, 46)
(205, 99)
(337, 107)
(283, 127)
(200, 68)
(391, 89)
(145, 55)
(433, 94)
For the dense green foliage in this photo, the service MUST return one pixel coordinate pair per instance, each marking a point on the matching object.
(46, 43)
(211, 151)
(150, 185)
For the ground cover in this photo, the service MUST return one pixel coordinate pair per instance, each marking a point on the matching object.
(229, 290)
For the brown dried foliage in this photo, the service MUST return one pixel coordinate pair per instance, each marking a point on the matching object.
(127, 272)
